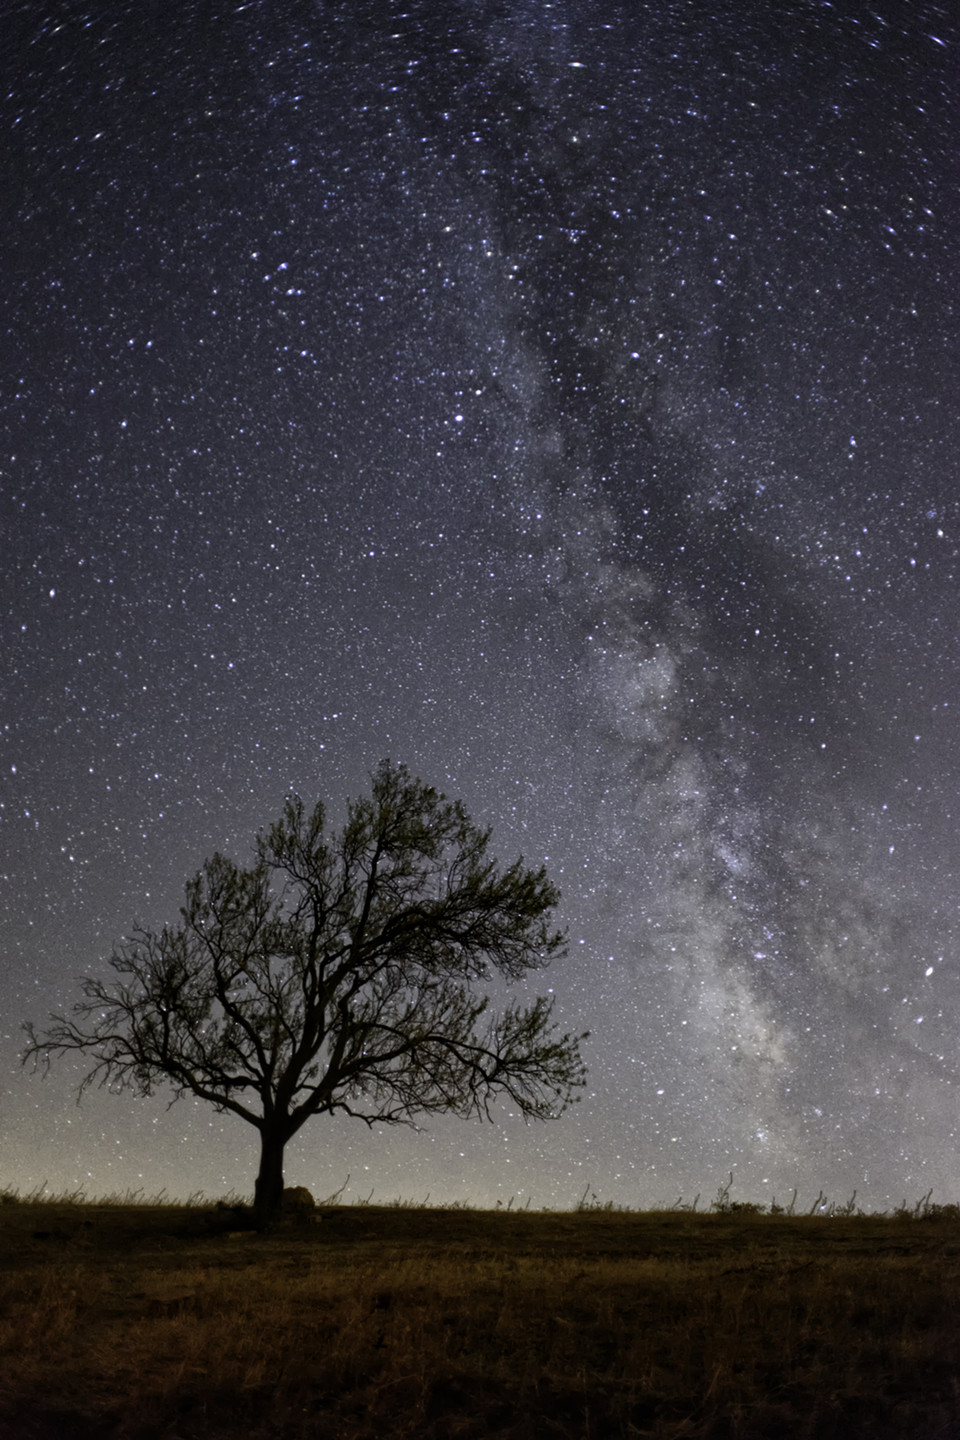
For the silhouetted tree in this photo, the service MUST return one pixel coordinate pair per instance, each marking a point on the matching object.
(337, 974)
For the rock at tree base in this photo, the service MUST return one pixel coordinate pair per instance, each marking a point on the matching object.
(297, 1200)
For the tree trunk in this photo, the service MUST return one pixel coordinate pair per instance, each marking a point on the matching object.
(268, 1192)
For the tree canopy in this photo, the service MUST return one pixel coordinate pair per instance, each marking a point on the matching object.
(339, 973)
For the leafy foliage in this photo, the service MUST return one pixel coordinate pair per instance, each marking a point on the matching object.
(338, 974)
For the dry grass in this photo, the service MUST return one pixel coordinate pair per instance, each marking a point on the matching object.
(123, 1323)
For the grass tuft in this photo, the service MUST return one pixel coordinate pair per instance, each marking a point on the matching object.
(403, 1320)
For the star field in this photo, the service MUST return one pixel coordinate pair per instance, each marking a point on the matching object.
(560, 399)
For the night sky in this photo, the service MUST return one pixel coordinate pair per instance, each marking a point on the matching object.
(563, 399)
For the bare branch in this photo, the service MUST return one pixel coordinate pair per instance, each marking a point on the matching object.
(337, 973)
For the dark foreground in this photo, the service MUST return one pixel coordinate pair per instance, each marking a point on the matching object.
(165, 1323)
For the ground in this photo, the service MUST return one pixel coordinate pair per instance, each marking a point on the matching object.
(170, 1323)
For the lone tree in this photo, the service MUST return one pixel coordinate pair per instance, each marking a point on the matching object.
(337, 973)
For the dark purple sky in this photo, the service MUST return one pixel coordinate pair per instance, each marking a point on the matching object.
(562, 399)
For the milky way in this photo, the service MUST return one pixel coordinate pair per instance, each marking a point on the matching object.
(559, 398)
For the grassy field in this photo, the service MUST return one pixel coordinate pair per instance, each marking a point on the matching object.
(140, 1322)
